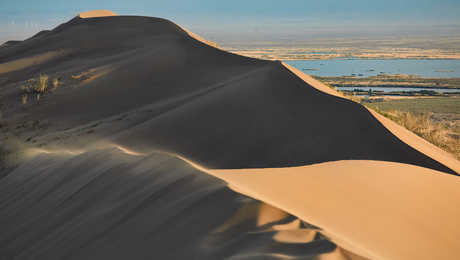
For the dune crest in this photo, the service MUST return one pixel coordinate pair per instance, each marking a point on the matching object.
(96, 13)
(313, 82)
(199, 38)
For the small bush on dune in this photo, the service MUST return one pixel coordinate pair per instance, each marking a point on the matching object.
(38, 87)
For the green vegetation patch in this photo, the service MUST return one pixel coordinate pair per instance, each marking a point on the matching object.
(420, 105)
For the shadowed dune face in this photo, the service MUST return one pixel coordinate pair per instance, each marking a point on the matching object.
(106, 204)
(272, 119)
(216, 108)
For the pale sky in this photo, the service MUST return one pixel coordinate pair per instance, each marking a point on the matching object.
(235, 19)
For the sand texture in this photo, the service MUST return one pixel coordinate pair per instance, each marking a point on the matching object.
(368, 207)
(107, 204)
(154, 143)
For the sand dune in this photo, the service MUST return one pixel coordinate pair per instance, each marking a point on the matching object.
(403, 134)
(159, 92)
(226, 111)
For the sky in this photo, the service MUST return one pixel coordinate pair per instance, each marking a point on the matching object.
(247, 19)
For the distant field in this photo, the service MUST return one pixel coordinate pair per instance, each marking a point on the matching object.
(421, 105)
(435, 119)
(391, 81)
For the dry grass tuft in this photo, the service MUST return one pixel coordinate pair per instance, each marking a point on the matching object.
(42, 85)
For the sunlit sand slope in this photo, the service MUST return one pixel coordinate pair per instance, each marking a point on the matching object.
(96, 13)
(379, 210)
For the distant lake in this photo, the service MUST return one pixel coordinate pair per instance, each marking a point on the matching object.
(366, 68)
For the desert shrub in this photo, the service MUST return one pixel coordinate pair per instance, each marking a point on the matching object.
(38, 87)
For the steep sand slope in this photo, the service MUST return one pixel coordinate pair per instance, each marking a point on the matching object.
(403, 134)
(379, 210)
(216, 108)
(419, 143)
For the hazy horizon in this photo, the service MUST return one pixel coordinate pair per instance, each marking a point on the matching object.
(242, 21)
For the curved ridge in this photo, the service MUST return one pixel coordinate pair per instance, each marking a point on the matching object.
(400, 132)
(355, 203)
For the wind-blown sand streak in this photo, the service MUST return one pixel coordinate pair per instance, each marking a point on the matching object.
(36, 60)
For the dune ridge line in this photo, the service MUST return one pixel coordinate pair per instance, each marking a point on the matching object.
(400, 132)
